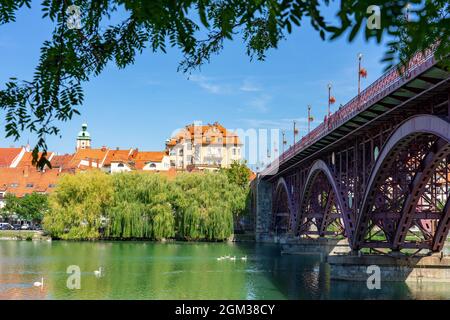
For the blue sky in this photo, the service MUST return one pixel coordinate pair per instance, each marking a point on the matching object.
(143, 104)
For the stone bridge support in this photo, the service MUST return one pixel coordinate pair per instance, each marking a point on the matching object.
(263, 206)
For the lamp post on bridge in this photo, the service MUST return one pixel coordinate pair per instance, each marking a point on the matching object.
(284, 142)
(359, 72)
(310, 118)
(329, 100)
(295, 132)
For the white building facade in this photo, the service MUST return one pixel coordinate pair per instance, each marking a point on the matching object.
(204, 147)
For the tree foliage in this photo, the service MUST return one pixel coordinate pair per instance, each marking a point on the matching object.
(194, 206)
(204, 205)
(79, 205)
(30, 207)
(141, 207)
(238, 173)
(199, 29)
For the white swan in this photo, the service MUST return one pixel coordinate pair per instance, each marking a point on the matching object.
(233, 258)
(244, 258)
(98, 273)
(39, 284)
(220, 259)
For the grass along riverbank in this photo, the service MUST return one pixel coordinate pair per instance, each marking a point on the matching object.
(23, 235)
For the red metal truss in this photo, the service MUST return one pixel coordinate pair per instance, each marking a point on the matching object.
(378, 170)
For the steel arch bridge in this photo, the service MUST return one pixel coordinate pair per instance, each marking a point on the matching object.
(377, 172)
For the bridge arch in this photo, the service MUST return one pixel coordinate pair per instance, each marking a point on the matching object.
(340, 196)
(282, 207)
(398, 142)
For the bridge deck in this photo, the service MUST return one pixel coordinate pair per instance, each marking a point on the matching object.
(386, 95)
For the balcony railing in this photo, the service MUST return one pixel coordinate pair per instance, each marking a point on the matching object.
(383, 86)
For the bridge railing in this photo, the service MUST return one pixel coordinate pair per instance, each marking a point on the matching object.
(391, 80)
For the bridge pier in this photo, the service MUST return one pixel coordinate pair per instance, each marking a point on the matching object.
(263, 215)
(432, 268)
(319, 246)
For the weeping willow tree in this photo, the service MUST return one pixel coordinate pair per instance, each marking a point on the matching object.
(194, 206)
(141, 207)
(78, 206)
(204, 205)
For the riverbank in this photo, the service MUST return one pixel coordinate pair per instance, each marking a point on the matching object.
(39, 235)
(23, 235)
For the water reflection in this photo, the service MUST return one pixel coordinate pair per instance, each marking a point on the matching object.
(145, 270)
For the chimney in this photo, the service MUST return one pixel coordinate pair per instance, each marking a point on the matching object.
(90, 163)
(103, 148)
(26, 170)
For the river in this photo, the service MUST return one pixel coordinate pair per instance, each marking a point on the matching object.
(148, 270)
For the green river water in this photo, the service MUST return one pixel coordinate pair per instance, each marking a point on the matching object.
(148, 270)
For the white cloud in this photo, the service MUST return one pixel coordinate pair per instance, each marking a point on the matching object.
(209, 84)
(249, 86)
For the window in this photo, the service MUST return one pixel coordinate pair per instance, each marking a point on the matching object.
(52, 185)
(234, 151)
(152, 165)
(120, 165)
(14, 185)
(189, 146)
(180, 152)
(219, 140)
(30, 185)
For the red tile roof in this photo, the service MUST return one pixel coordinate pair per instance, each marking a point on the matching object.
(97, 156)
(118, 156)
(8, 155)
(142, 158)
(170, 174)
(61, 161)
(27, 159)
(206, 134)
(21, 181)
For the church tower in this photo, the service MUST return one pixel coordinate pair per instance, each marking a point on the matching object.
(83, 138)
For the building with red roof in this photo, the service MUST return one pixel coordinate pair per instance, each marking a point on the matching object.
(203, 147)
